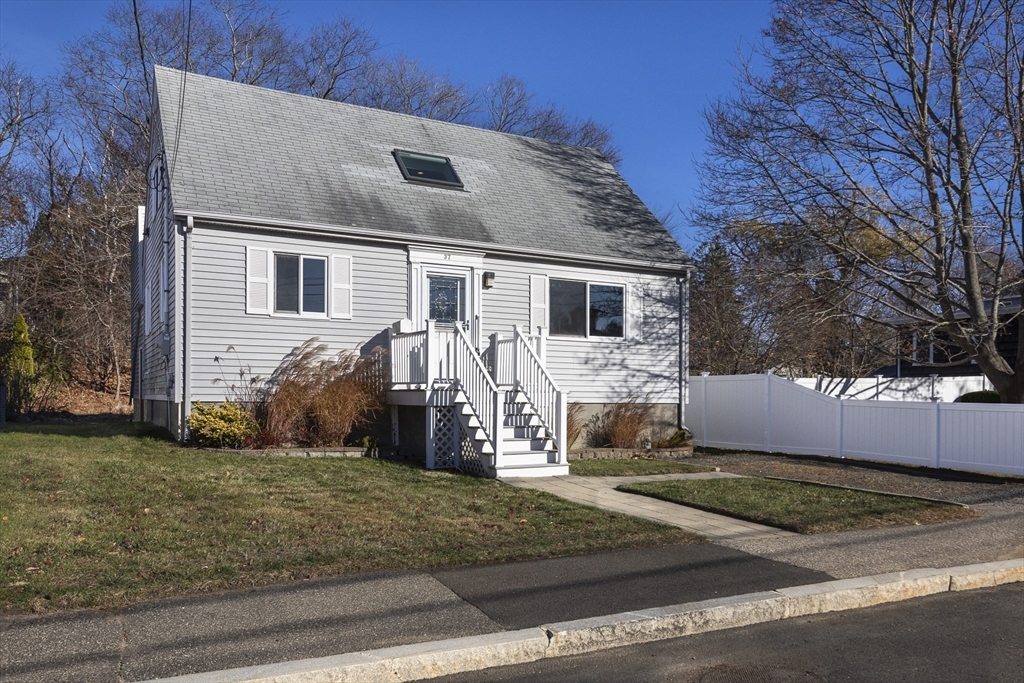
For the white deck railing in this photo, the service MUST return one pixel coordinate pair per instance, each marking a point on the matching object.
(408, 355)
(532, 378)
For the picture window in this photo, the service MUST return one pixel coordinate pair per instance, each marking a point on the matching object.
(581, 309)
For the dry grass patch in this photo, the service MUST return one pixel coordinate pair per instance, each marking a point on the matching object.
(106, 514)
(632, 467)
(804, 508)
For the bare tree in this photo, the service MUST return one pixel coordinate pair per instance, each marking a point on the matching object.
(889, 136)
(509, 107)
(333, 62)
(401, 85)
(23, 102)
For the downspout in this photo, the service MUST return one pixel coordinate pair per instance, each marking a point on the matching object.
(186, 325)
(684, 345)
(140, 281)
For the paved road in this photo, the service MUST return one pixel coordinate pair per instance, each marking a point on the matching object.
(320, 618)
(951, 637)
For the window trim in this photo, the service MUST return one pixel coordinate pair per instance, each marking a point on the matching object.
(587, 336)
(272, 285)
(458, 185)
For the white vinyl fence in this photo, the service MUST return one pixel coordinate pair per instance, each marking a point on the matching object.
(946, 389)
(769, 413)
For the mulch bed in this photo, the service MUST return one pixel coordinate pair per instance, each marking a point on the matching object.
(955, 487)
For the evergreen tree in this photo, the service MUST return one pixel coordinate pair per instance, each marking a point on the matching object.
(19, 366)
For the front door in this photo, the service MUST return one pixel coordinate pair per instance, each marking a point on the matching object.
(445, 287)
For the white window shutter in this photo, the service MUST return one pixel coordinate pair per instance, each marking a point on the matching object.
(147, 307)
(163, 283)
(538, 302)
(257, 280)
(341, 287)
(635, 312)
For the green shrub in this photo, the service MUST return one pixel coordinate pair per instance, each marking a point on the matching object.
(223, 426)
(980, 397)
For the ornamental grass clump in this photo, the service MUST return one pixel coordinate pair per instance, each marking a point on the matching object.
(574, 422)
(624, 425)
(315, 400)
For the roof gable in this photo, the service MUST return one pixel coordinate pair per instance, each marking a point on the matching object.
(251, 152)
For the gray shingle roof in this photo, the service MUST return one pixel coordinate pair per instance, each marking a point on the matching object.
(252, 152)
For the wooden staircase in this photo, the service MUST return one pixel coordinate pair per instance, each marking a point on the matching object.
(528, 448)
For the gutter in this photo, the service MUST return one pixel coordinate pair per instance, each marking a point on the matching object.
(403, 239)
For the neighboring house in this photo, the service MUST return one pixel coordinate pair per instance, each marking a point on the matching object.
(507, 276)
(930, 354)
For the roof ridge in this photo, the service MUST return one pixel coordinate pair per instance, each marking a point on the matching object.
(193, 74)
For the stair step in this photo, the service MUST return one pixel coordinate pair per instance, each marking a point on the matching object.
(527, 445)
(516, 397)
(534, 431)
(528, 458)
(545, 470)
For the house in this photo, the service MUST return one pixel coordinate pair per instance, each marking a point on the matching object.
(507, 276)
(927, 354)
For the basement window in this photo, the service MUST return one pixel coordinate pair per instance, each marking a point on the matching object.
(427, 168)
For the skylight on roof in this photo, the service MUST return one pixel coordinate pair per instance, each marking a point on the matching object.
(427, 168)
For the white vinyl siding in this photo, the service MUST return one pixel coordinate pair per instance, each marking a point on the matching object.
(260, 342)
(646, 363)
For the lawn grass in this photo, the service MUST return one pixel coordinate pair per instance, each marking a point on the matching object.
(804, 508)
(103, 515)
(632, 467)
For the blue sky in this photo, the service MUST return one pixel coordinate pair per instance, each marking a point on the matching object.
(646, 69)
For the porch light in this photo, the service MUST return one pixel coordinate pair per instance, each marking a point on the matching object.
(488, 279)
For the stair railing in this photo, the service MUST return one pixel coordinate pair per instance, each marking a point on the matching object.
(471, 376)
(533, 379)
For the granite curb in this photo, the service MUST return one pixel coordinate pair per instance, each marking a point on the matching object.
(440, 658)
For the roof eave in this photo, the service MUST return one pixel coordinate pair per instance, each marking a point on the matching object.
(406, 239)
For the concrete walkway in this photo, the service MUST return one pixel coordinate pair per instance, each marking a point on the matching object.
(600, 492)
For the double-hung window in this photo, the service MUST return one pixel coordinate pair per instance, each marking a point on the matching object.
(300, 284)
(586, 309)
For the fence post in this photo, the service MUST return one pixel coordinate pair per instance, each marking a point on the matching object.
(839, 428)
(768, 411)
(3, 402)
(515, 356)
(938, 432)
(494, 338)
(430, 351)
(563, 429)
(704, 409)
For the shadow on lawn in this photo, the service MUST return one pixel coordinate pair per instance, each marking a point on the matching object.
(98, 426)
